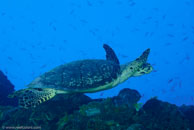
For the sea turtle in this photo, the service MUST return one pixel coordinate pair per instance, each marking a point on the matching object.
(82, 76)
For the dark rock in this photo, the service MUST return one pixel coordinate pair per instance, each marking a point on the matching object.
(189, 114)
(161, 116)
(127, 97)
(136, 127)
(6, 88)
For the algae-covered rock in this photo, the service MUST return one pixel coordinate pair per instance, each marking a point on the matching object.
(90, 109)
(104, 115)
(161, 116)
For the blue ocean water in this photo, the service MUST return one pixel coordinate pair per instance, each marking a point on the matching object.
(36, 36)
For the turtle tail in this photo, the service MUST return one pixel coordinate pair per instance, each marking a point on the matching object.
(33, 97)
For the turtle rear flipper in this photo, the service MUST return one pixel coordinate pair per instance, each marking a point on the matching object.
(15, 94)
(33, 97)
(145, 69)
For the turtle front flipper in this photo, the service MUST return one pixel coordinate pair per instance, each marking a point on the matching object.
(110, 54)
(33, 97)
(146, 68)
(143, 58)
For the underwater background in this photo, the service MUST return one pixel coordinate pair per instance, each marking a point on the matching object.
(36, 36)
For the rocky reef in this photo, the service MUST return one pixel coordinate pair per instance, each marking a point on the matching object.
(189, 114)
(79, 112)
(6, 87)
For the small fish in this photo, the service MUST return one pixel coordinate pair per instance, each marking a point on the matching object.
(54, 28)
(132, 4)
(83, 21)
(135, 30)
(50, 23)
(171, 35)
(93, 32)
(186, 58)
(155, 9)
(33, 46)
(52, 45)
(33, 22)
(172, 89)
(170, 24)
(13, 28)
(124, 56)
(180, 84)
(185, 38)
(154, 71)
(119, 2)
(89, 3)
(23, 49)
(163, 91)
(164, 17)
(192, 99)
(146, 34)
(151, 34)
(10, 58)
(112, 34)
(71, 12)
(170, 81)
(149, 18)
(168, 44)
(43, 66)
(101, 2)
(128, 16)
(6, 72)
(3, 14)
(188, 3)
(101, 94)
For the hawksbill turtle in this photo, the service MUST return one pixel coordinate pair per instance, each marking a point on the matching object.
(82, 76)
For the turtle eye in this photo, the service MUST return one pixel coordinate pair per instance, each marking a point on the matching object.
(144, 65)
(142, 72)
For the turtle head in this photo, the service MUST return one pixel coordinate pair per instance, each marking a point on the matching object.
(137, 67)
(144, 69)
